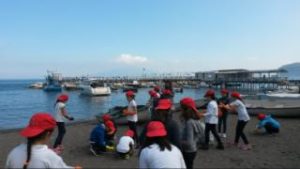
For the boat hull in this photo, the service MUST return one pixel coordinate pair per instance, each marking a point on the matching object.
(97, 91)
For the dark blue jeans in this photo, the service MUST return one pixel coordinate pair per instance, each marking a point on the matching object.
(61, 132)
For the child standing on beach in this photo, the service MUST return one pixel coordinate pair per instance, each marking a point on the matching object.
(191, 131)
(125, 145)
(238, 106)
(60, 116)
(36, 154)
(131, 113)
(223, 118)
(157, 151)
(211, 120)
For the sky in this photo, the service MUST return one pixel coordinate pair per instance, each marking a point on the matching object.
(135, 37)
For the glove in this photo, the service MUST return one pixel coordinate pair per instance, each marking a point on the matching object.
(71, 118)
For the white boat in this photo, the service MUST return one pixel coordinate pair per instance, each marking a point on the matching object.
(94, 88)
(37, 85)
(284, 95)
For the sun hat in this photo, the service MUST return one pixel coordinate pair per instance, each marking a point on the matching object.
(129, 133)
(224, 91)
(190, 103)
(210, 93)
(63, 98)
(236, 95)
(106, 117)
(38, 123)
(152, 93)
(130, 93)
(164, 104)
(156, 129)
(261, 116)
(109, 124)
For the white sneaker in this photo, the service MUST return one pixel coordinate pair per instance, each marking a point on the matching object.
(224, 135)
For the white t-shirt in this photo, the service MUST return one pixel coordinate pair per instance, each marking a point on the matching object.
(132, 106)
(241, 110)
(152, 157)
(41, 157)
(211, 115)
(123, 145)
(58, 114)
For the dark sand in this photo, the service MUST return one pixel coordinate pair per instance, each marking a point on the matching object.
(280, 151)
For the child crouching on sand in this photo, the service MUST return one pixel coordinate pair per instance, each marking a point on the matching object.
(110, 130)
(125, 145)
(268, 123)
(36, 154)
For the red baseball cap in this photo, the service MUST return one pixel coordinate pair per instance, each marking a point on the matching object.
(129, 133)
(261, 116)
(109, 124)
(164, 104)
(152, 93)
(38, 123)
(156, 129)
(63, 98)
(130, 93)
(236, 95)
(224, 91)
(209, 93)
(106, 117)
(190, 103)
(167, 92)
(157, 88)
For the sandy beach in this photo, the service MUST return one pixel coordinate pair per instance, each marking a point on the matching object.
(280, 151)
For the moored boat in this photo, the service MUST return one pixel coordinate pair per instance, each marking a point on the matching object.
(53, 82)
(92, 87)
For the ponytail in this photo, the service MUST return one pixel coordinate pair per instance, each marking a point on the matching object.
(29, 145)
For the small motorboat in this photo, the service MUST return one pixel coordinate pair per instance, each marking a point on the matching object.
(93, 87)
(37, 85)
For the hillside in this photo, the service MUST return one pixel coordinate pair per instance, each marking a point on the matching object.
(293, 71)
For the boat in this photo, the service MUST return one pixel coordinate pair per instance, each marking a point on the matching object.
(92, 87)
(37, 85)
(70, 86)
(53, 82)
(283, 95)
(277, 108)
(128, 88)
(178, 89)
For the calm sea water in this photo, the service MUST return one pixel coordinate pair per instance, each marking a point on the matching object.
(18, 102)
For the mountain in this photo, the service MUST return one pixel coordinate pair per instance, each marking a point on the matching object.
(293, 70)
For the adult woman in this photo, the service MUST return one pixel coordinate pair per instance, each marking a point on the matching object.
(36, 154)
(60, 115)
(157, 151)
(191, 131)
(243, 117)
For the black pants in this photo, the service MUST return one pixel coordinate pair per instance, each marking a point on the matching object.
(130, 152)
(61, 132)
(223, 122)
(189, 159)
(133, 126)
(240, 132)
(212, 128)
(270, 129)
(98, 148)
(110, 139)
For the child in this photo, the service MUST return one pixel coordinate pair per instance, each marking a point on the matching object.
(110, 129)
(36, 154)
(152, 102)
(270, 125)
(157, 151)
(131, 113)
(125, 145)
(223, 118)
(61, 115)
(97, 140)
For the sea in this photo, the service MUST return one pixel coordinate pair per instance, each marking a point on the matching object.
(18, 102)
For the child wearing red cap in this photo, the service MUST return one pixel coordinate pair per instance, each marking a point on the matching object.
(157, 151)
(152, 102)
(110, 129)
(131, 113)
(60, 116)
(211, 120)
(125, 145)
(223, 118)
(239, 107)
(268, 123)
(191, 131)
(36, 154)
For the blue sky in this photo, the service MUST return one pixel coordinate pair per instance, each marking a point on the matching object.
(121, 37)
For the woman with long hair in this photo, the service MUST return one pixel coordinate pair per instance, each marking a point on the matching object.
(60, 115)
(36, 154)
(157, 151)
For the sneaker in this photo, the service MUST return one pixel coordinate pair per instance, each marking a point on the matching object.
(126, 157)
(93, 151)
(246, 147)
(224, 135)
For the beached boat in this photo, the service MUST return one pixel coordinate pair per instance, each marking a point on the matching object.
(277, 108)
(53, 82)
(92, 87)
(283, 95)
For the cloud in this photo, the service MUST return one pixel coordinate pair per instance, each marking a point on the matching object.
(130, 59)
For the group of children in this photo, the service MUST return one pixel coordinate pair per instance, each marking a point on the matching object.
(163, 142)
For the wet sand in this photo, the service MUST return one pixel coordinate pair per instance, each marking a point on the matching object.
(280, 151)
